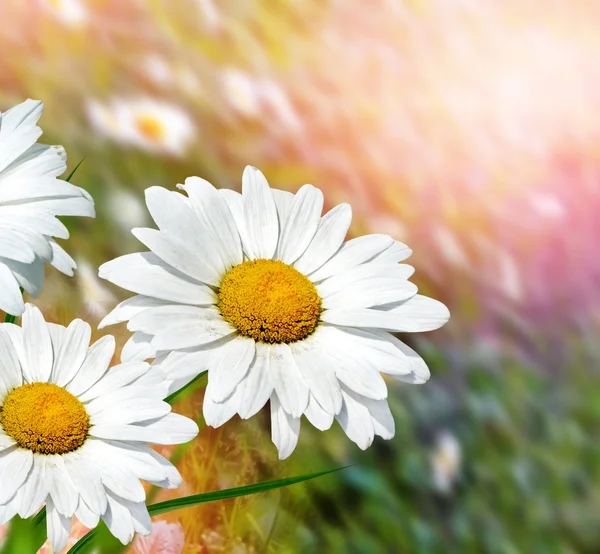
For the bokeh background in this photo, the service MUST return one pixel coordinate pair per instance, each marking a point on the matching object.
(468, 129)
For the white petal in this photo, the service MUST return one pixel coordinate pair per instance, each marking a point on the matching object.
(171, 429)
(58, 527)
(59, 485)
(212, 209)
(15, 247)
(328, 239)
(86, 479)
(145, 273)
(366, 275)
(176, 252)
(18, 130)
(381, 418)
(131, 410)
(236, 207)
(396, 253)
(420, 313)
(181, 326)
(355, 420)
(285, 429)
(138, 348)
(321, 419)
(15, 464)
(390, 355)
(256, 388)
(11, 300)
(228, 366)
(94, 366)
(174, 216)
(61, 260)
(118, 520)
(318, 372)
(130, 307)
(217, 413)
(301, 224)
(260, 213)
(352, 362)
(72, 352)
(283, 202)
(353, 253)
(10, 368)
(29, 276)
(37, 363)
(181, 367)
(287, 380)
(33, 493)
(86, 516)
(115, 378)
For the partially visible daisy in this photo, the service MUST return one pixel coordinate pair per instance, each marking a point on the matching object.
(30, 198)
(74, 432)
(261, 290)
(149, 124)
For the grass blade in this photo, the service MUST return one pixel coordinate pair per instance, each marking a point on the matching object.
(68, 179)
(187, 389)
(85, 543)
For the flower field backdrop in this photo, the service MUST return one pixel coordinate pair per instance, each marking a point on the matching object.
(469, 130)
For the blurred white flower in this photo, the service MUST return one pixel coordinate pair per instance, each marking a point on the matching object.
(69, 12)
(96, 296)
(449, 247)
(241, 92)
(278, 102)
(445, 462)
(158, 70)
(210, 14)
(126, 209)
(149, 124)
(547, 205)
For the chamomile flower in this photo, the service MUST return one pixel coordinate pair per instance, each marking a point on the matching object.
(262, 291)
(74, 433)
(30, 198)
(149, 124)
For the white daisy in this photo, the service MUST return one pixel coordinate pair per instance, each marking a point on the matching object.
(261, 289)
(30, 198)
(74, 434)
(149, 124)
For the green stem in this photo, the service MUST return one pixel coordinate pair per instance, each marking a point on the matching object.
(11, 318)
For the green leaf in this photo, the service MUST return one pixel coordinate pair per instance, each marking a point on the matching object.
(24, 535)
(187, 389)
(68, 179)
(84, 544)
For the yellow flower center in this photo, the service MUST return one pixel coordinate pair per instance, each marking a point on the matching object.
(45, 418)
(150, 127)
(269, 301)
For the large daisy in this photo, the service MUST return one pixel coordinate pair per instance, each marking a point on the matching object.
(261, 290)
(30, 198)
(74, 433)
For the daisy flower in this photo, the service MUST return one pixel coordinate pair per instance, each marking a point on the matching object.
(74, 433)
(30, 198)
(261, 290)
(152, 125)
